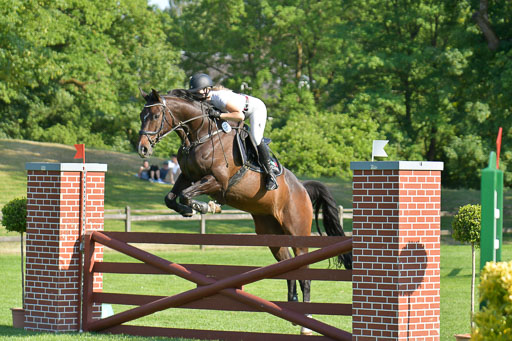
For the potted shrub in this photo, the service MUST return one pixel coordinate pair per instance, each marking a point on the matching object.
(466, 226)
(14, 218)
(494, 320)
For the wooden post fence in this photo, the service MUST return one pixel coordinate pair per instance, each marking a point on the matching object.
(130, 215)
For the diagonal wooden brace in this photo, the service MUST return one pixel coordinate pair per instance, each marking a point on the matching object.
(209, 286)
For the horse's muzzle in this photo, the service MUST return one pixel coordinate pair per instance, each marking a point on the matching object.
(144, 151)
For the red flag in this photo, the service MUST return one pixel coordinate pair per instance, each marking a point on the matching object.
(80, 151)
(498, 148)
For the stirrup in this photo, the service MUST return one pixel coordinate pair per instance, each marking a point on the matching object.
(271, 183)
(271, 166)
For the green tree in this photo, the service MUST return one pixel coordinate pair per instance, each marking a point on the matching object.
(400, 54)
(73, 68)
(14, 218)
(467, 225)
(489, 77)
(267, 44)
(425, 64)
(431, 77)
(323, 143)
(283, 51)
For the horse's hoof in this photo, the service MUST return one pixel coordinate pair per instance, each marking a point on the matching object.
(200, 207)
(304, 330)
(186, 211)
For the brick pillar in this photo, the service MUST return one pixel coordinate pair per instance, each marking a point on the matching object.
(52, 289)
(396, 248)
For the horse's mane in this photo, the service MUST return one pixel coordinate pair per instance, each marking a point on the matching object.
(185, 94)
(192, 98)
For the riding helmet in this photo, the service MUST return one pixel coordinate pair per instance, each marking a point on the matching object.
(200, 81)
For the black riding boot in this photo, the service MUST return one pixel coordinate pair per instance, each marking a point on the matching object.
(269, 166)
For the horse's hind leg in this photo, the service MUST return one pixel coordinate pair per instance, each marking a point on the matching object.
(305, 286)
(269, 225)
(282, 253)
(297, 222)
(303, 230)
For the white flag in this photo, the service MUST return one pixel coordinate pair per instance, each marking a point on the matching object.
(378, 148)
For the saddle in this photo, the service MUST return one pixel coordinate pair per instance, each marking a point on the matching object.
(246, 146)
(249, 151)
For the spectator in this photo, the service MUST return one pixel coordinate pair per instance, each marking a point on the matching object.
(170, 171)
(154, 173)
(144, 170)
(165, 172)
(175, 168)
(147, 172)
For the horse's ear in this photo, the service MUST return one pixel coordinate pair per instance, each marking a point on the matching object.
(156, 94)
(143, 93)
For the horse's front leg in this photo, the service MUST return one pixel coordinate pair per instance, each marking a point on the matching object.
(207, 185)
(171, 198)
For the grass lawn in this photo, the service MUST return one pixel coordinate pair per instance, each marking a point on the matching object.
(455, 292)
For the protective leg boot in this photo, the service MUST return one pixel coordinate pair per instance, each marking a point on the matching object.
(269, 166)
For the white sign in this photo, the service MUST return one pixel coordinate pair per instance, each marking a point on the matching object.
(378, 148)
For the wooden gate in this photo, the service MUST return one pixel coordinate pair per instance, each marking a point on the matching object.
(218, 286)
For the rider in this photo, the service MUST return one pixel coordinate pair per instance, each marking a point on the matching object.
(239, 107)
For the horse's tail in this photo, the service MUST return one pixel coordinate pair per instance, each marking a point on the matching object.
(321, 198)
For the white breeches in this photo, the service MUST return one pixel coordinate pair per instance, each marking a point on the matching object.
(257, 114)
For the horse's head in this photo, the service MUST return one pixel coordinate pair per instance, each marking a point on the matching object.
(161, 115)
(155, 122)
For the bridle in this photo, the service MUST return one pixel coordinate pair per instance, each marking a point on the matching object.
(180, 125)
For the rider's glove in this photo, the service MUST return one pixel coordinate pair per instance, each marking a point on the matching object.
(214, 113)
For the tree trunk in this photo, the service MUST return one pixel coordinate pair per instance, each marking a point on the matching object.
(432, 146)
(482, 20)
(406, 123)
(472, 284)
(300, 59)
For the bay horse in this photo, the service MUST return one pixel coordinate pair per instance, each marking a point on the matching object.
(209, 161)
